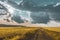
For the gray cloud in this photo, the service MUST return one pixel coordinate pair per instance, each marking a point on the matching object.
(17, 19)
(35, 8)
(40, 17)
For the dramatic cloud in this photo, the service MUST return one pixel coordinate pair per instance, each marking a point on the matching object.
(40, 17)
(39, 11)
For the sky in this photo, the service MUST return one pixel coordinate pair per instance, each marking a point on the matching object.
(34, 11)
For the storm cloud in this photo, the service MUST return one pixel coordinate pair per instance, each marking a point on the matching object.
(42, 11)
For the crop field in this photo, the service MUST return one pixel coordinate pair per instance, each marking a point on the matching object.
(29, 33)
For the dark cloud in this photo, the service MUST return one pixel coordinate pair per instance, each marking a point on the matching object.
(17, 19)
(54, 11)
(40, 17)
(35, 8)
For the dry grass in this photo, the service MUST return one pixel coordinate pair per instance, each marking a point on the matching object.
(27, 33)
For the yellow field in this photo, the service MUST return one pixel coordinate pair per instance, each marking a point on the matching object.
(27, 33)
(57, 29)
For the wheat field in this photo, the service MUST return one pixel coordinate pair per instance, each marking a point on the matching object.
(29, 33)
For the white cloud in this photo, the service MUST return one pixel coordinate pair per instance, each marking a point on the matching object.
(56, 4)
(53, 23)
